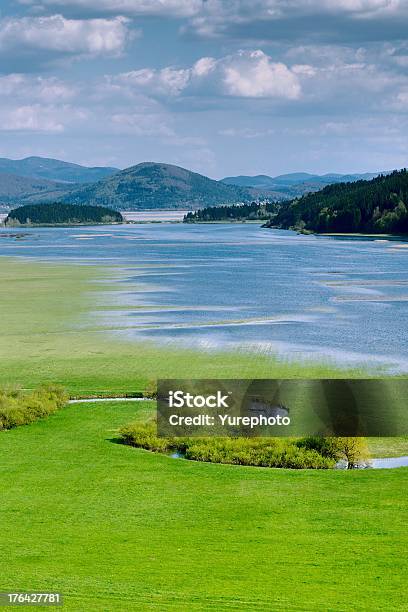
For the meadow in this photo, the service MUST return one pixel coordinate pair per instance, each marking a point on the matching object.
(114, 527)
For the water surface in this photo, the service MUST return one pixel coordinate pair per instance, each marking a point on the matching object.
(241, 287)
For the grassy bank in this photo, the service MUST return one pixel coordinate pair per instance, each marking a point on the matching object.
(114, 528)
(51, 336)
(21, 408)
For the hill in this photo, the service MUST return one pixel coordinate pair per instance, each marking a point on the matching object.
(295, 184)
(147, 185)
(252, 211)
(379, 205)
(54, 170)
(158, 185)
(19, 189)
(61, 214)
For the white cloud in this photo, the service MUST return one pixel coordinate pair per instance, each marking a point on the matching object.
(168, 81)
(204, 66)
(50, 90)
(400, 102)
(141, 124)
(211, 14)
(253, 75)
(55, 34)
(170, 8)
(218, 17)
(353, 84)
(360, 8)
(247, 133)
(38, 104)
(352, 77)
(245, 74)
(32, 118)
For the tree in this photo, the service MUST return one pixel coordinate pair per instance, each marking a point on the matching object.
(353, 450)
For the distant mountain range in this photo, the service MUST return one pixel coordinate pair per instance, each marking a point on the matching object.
(287, 186)
(54, 170)
(147, 185)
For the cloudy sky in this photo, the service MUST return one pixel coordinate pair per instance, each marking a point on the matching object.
(219, 86)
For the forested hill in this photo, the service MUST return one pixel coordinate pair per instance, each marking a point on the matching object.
(61, 214)
(240, 212)
(22, 190)
(377, 206)
(157, 185)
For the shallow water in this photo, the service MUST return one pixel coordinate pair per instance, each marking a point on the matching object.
(243, 287)
(390, 462)
(376, 464)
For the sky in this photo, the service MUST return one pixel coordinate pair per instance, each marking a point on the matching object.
(222, 87)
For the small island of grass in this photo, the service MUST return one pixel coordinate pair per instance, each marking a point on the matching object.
(61, 214)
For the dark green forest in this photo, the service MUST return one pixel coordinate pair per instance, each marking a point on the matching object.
(61, 214)
(238, 212)
(152, 185)
(377, 206)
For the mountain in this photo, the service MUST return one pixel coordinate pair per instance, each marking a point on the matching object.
(263, 181)
(147, 185)
(376, 206)
(294, 184)
(17, 189)
(54, 170)
(158, 185)
(260, 181)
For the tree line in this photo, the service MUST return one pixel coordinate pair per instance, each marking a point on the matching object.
(57, 213)
(376, 206)
(253, 211)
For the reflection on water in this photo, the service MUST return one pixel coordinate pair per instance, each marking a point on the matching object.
(243, 287)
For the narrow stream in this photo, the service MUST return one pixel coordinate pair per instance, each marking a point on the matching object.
(376, 464)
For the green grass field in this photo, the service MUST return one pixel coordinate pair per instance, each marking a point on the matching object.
(116, 528)
(50, 335)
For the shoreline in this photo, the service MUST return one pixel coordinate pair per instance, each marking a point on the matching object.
(403, 237)
(36, 225)
(226, 222)
(50, 335)
(351, 235)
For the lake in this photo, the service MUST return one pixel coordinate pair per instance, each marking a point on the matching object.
(241, 287)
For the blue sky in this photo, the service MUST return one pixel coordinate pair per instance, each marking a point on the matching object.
(220, 87)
